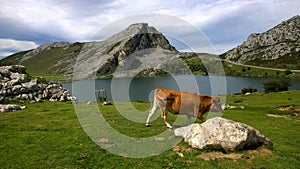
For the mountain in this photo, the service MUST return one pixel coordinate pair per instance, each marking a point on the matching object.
(101, 58)
(278, 47)
(131, 51)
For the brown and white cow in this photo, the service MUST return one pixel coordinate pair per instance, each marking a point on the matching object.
(190, 104)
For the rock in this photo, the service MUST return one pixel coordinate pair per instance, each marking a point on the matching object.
(106, 103)
(9, 91)
(16, 89)
(53, 100)
(17, 68)
(222, 134)
(18, 76)
(16, 84)
(4, 72)
(31, 85)
(24, 97)
(227, 106)
(10, 83)
(10, 107)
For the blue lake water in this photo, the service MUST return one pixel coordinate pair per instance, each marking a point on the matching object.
(141, 89)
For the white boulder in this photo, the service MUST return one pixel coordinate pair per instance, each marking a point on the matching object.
(222, 134)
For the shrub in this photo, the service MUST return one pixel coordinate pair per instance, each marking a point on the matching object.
(248, 90)
(276, 85)
(288, 72)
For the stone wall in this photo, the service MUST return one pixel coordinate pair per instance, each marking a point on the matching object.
(16, 84)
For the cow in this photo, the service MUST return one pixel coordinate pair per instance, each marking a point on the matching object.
(188, 103)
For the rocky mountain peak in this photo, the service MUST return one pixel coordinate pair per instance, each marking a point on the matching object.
(138, 36)
(280, 42)
(142, 28)
(104, 57)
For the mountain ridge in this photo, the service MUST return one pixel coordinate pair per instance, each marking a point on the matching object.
(140, 49)
(278, 47)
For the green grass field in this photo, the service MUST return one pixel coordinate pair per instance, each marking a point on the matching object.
(49, 135)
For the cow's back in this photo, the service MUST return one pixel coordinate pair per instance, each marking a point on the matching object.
(187, 103)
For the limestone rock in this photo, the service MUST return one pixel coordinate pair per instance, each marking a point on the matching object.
(16, 84)
(10, 107)
(222, 134)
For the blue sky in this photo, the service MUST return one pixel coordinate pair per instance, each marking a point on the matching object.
(26, 24)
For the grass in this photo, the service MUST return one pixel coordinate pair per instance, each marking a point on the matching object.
(49, 135)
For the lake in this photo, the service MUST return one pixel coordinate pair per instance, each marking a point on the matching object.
(141, 89)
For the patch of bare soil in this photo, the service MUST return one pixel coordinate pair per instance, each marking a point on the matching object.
(288, 117)
(278, 116)
(178, 148)
(289, 107)
(295, 109)
(249, 155)
(207, 156)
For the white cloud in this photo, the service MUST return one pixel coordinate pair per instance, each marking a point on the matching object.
(9, 46)
(4, 54)
(79, 20)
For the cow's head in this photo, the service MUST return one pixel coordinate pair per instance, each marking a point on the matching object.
(216, 105)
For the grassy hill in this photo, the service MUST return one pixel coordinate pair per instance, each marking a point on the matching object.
(52, 62)
(49, 135)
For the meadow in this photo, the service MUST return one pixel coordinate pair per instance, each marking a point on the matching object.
(49, 135)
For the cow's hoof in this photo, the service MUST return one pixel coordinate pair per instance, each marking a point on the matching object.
(169, 127)
(147, 125)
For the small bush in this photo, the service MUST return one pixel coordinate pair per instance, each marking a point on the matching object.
(248, 90)
(276, 85)
(288, 72)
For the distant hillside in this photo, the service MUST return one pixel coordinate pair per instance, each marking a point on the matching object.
(51, 59)
(278, 47)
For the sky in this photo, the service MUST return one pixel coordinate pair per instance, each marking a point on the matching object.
(27, 24)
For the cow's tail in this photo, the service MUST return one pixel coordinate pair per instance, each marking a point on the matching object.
(156, 93)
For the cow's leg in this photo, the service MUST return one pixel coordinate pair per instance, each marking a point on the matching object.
(198, 113)
(199, 116)
(151, 112)
(165, 117)
(189, 119)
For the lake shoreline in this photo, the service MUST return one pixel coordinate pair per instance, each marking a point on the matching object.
(141, 88)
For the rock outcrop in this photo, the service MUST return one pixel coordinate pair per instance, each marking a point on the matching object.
(281, 42)
(222, 134)
(16, 84)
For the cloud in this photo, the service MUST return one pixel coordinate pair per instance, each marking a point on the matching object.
(10, 46)
(222, 21)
